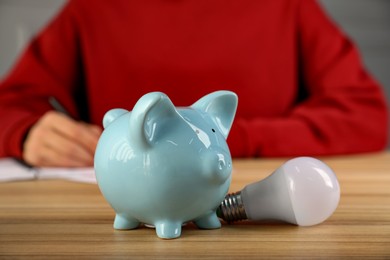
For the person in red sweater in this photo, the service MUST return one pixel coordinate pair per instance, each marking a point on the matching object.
(301, 85)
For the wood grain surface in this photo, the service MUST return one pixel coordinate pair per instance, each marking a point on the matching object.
(65, 220)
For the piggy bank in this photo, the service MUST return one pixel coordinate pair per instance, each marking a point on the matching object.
(164, 166)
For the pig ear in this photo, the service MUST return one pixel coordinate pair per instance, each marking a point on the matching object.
(111, 115)
(221, 106)
(148, 118)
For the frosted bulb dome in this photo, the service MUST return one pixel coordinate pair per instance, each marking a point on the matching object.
(313, 188)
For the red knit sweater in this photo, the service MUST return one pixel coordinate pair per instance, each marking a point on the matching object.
(301, 86)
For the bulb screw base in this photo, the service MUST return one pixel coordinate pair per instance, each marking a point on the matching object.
(232, 208)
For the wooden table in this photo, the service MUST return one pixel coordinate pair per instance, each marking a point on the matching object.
(61, 219)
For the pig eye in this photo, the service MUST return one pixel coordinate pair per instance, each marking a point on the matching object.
(212, 129)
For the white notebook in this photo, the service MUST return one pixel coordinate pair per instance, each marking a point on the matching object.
(12, 170)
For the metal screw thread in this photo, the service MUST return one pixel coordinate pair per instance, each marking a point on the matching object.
(232, 208)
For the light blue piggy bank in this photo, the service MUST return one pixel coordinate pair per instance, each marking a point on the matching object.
(165, 166)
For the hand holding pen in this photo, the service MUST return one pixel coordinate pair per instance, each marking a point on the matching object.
(57, 140)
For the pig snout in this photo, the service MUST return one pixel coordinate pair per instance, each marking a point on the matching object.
(219, 167)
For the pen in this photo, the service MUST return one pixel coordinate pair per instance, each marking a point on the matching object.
(57, 106)
(23, 163)
(31, 169)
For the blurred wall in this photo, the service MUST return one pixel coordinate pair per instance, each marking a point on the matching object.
(367, 22)
(19, 20)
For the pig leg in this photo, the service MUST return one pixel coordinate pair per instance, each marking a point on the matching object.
(125, 222)
(168, 229)
(209, 221)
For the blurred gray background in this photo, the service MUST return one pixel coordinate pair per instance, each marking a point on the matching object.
(367, 22)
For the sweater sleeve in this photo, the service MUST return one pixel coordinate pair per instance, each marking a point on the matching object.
(344, 111)
(48, 67)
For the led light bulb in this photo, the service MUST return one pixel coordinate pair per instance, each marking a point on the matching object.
(303, 191)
